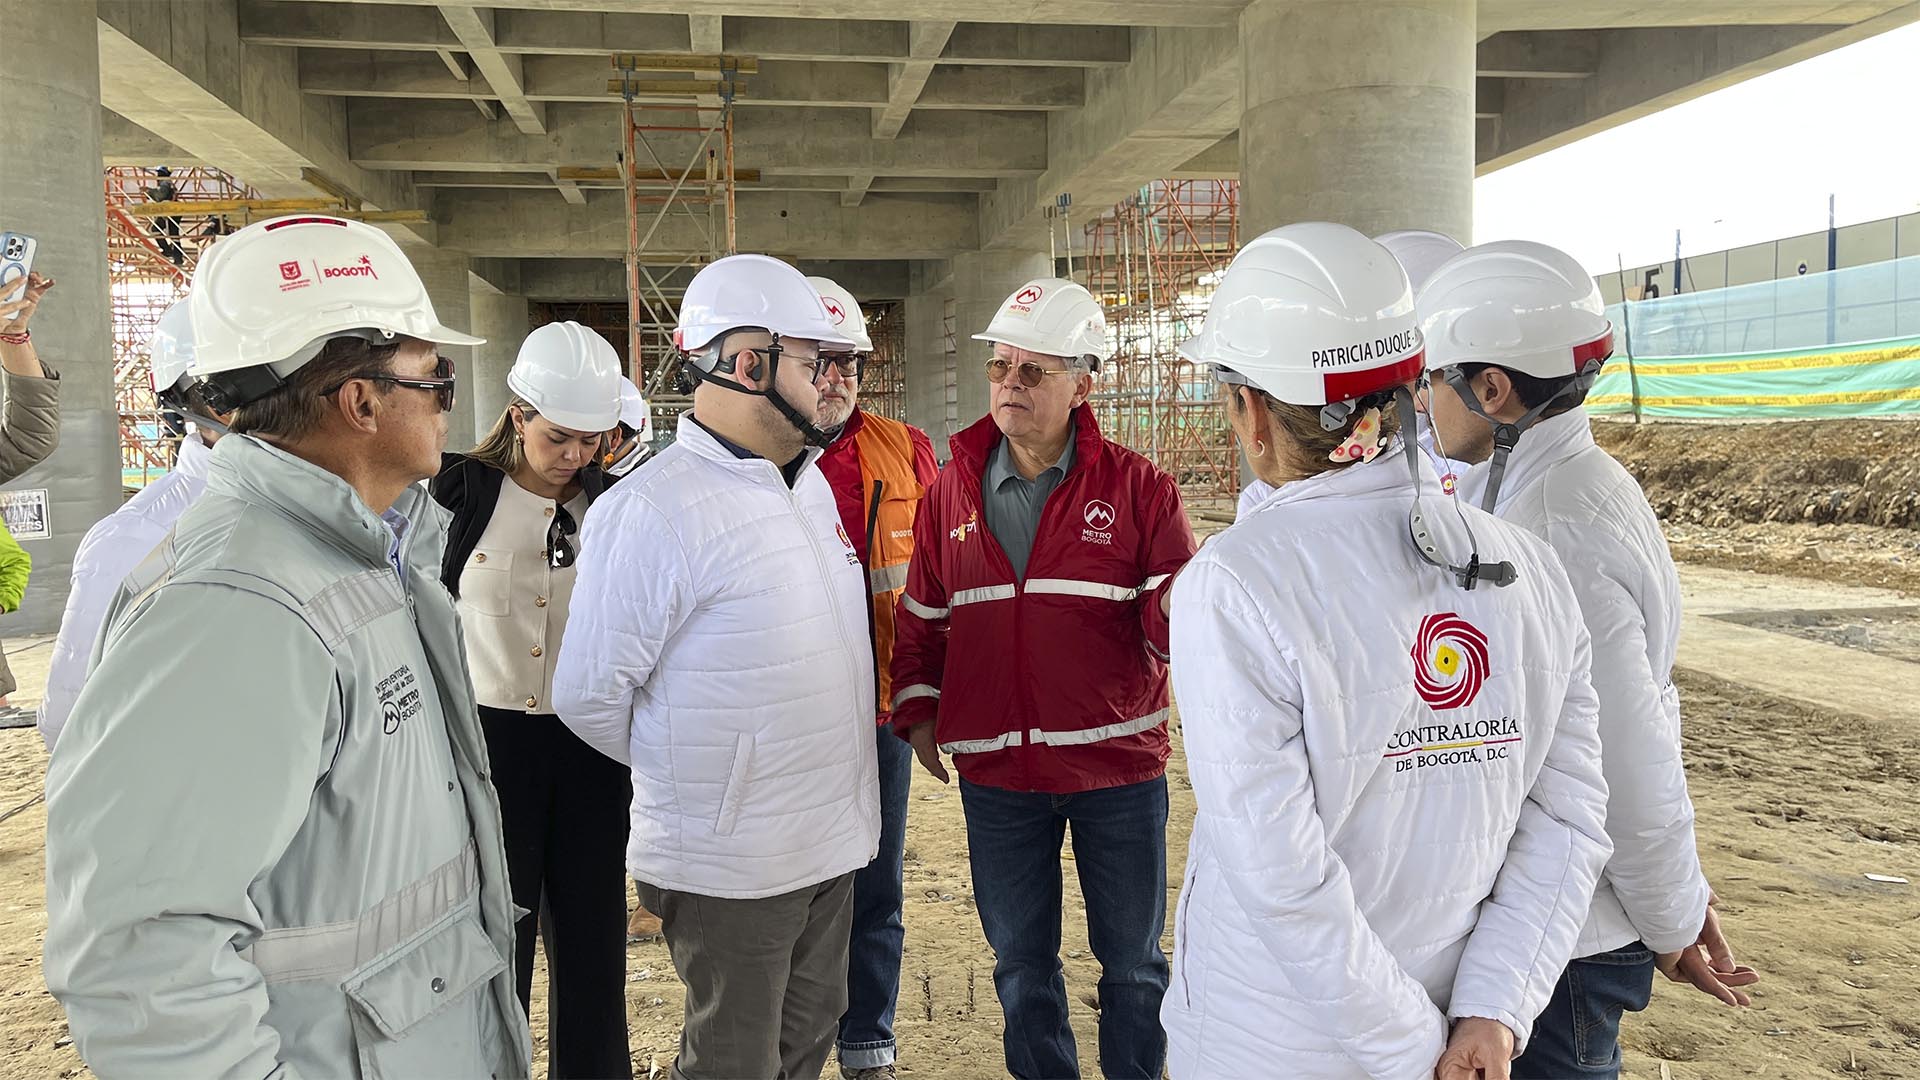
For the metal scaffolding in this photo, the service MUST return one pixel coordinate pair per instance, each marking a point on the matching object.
(708, 179)
(1153, 261)
(883, 383)
(149, 261)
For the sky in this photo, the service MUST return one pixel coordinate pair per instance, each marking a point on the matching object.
(1750, 163)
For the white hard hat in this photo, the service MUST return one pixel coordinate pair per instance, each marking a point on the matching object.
(1519, 305)
(170, 350)
(1052, 316)
(843, 311)
(570, 374)
(634, 411)
(753, 291)
(1420, 252)
(271, 295)
(1313, 314)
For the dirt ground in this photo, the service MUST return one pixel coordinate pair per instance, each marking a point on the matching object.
(1796, 806)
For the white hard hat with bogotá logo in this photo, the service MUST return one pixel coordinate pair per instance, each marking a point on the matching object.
(844, 312)
(267, 299)
(1055, 317)
(1316, 314)
(761, 293)
(570, 375)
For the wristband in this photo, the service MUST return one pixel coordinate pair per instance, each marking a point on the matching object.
(20, 338)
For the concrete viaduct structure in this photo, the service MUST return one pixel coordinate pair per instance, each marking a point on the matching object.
(910, 155)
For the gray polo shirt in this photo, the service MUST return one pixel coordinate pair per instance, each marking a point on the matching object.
(1013, 503)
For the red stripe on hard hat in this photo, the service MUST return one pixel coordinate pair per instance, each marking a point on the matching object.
(284, 222)
(1598, 349)
(1347, 385)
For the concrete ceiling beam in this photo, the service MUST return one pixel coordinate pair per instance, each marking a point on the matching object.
(1197, 13)
(316, 24)
(433, 135)
(798, 225)
(905, 81)
(180, 70)
(1555, 54)
(768, 182)
(1642, 71)
(474, 27)
(394, 74)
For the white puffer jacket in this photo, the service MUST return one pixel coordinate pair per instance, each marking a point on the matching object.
(718, 644)
(1401, 813)
(1562, 487)
(112, 548)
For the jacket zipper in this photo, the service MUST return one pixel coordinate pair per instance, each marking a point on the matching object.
(833, 602)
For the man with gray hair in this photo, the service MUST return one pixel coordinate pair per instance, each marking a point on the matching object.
(1032, 646)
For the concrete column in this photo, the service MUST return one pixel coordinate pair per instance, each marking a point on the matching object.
(927, 359)
(50, 190)
(982, 281)
(501, 318)
(1368, 119)
(445, 274)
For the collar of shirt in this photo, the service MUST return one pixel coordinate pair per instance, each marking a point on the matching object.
(1000, 468)
(398, 522)
(790, 471)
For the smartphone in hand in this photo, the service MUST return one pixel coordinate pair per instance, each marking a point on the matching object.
(16, 262)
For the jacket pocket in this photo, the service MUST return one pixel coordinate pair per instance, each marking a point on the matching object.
(486, 582)
(422, 1010)
(738, 777)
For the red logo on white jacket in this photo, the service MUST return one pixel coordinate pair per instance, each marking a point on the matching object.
(1449, 661)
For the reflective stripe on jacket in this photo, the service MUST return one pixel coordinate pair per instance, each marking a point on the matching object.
(1057, 683)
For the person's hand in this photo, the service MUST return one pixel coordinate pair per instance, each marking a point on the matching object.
(1708, 963)
(1479, 1049)
(14, 316)
(924, 748)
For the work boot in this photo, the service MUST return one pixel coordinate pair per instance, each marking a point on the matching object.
(878, 1072)
(642, 925)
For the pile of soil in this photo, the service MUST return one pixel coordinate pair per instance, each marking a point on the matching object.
(1837, 500)
(1822, 472)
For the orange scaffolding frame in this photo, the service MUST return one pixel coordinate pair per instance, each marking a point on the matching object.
(883, 382)
(1153, 261)
(149, 262)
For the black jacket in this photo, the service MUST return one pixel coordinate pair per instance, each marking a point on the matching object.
(470, 489)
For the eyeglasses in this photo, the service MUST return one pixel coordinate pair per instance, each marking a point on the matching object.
(441, 384)
(810, 363)
(560, 552)
(850, 364)
(1031, 374)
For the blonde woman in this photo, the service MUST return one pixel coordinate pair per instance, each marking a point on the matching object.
(517, 501)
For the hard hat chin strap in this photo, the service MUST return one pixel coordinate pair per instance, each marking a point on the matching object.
(801, 423)
(1507, 435)
(1499, 573)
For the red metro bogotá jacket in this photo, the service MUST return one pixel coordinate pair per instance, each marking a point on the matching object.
(1058, 683)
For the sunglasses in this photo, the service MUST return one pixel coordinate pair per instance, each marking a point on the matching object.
(850, 364)
(441, 384)
(1031, 374)
(560, 551)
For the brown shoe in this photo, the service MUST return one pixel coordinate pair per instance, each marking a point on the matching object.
(642, 925)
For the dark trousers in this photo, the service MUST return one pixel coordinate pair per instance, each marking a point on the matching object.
(1578, 1036)
(564, 807)
(873, 959)
(1120, 849)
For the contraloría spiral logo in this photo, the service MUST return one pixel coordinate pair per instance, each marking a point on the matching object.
(1449, 661)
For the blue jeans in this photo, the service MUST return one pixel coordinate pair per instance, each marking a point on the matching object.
(873, 958)
(1578, 1036)
(1013, 843)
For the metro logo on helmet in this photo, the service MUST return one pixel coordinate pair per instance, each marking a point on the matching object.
(1029, 295)
(834, 310)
